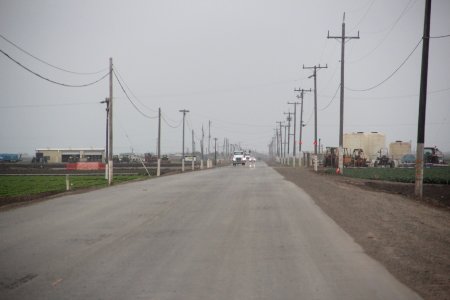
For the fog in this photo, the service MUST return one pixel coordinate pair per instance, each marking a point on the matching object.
(234, 63)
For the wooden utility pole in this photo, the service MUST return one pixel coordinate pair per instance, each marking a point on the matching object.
(184, 111)
(201, 146)
(301, 96)
(158, 168)
(110, 124)
(418, 191)
(343, 38)
(295, 126)
(289, 131)
(281, 138)
(106, 101)
(159, 133)
(215, 151)
(315, 67)
(209, 138)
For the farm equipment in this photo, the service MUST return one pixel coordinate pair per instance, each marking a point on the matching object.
(383, 159)
(331, 157)
(359, 158)
(347, 158)
(432, 155)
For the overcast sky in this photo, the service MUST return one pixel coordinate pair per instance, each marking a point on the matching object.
(234, 62)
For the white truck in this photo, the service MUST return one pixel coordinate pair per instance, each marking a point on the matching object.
(238, 158)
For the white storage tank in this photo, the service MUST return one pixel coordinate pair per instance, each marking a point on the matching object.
(370, 142)
(398, 149)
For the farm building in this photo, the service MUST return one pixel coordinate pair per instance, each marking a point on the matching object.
(370, 142)
(64, 155)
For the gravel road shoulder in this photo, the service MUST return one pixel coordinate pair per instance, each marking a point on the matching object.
(411, 238)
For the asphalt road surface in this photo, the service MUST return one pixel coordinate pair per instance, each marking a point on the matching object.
(227, 233)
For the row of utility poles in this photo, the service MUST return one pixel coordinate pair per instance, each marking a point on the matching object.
(109, 168)
(343, 38)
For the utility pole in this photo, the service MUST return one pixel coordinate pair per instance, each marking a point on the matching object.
(106, 101)
(193, 143)
(110, 124)
(159, 133)
(281, 139)
(193, 151)
(158, 168)
(276, 139)
(301, 96)
(285, 138)
(289, 131)
(184, 111)
(295, 126)
(201, 146)
(215, 151)
(343, 38)
(209, 138)
(315, 67)
(418, 191)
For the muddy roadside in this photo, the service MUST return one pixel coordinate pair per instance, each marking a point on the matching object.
(410, 238)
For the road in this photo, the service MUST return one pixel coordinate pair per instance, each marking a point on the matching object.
(226, 233)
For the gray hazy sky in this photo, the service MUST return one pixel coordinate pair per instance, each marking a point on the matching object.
(233, 62)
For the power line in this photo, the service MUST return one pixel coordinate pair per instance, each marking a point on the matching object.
(131, 92)
(131, 101)
(395, 96)
(439, 36)
(387, 34)
(50, 80)
(46, 105)
(389, 28)
(49, 64)
(390, 76)
(364, 16)
(329, 103)
(168, 124)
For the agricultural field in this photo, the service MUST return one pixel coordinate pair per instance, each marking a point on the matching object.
(435, 175)
(28, 187)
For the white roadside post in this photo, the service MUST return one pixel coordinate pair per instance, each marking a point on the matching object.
(158, 169)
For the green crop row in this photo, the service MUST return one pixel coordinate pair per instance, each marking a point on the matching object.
(437, 175)
(11, 186)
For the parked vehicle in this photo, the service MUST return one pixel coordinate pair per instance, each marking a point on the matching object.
(10, 157)
(383, 159)
(432, 155)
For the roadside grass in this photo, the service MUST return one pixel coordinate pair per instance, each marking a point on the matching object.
(437, 175)
(28, 185)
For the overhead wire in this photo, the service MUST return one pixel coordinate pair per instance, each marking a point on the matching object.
(131, 92)
(131, 101)
(46, 105)
(49, 64)
(50, 80)
(390, 76)
(334, 96)
(168, 124)
(402, 14)
(364, 16)
(440, 36)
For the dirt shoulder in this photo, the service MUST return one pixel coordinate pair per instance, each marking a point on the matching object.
(410, 238)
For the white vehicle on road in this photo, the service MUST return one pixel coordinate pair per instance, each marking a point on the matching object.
(238, 158)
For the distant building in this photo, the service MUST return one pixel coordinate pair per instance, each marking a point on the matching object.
(399, 149)
(370, 142)
(65, 155)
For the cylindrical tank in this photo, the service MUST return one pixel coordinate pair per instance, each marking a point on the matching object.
(370, 142)
(398, 149)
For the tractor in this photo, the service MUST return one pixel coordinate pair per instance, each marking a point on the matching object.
(359, 158)
(383, 159)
